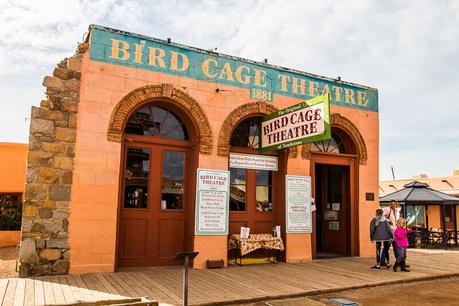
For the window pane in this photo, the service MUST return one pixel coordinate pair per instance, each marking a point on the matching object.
(237, 189)
(10, 212)
(173, 165)
(156, 121)
(136, 178)
(415, 216)
(264, 191)
(332, 145)
(173, 184)
(246, 134)
(263, 177)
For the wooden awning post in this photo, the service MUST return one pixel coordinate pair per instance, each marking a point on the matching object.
(427, 216)
(455, 224)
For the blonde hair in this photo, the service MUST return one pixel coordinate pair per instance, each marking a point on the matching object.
(379, 214)
(401, 222)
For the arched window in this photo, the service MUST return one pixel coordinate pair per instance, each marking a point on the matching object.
(339, 143)
(246, 134)
(332, 145)
(251, 190)
(152, 120)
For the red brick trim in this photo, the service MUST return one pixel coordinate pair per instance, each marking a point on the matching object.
(170, 93)
(236, 116)
(345, 124)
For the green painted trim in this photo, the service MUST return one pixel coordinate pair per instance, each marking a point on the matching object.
(271, 76)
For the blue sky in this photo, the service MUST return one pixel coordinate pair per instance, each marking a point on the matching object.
(409, 50)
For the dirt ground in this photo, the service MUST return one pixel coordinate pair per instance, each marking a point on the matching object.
(434, 292)
(8, 257)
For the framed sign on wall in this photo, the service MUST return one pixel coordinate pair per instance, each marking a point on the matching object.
(212, 202)
(298, 204)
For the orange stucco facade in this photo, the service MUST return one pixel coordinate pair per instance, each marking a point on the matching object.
(107, 89)
(96, 182)
(433, 213)
(12, 178)
(13, 158)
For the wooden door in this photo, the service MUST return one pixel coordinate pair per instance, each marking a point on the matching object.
(335, 201)
(152, 213)
(449, 217)
(252, 200)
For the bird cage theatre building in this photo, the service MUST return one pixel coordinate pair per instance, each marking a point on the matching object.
(144, 148)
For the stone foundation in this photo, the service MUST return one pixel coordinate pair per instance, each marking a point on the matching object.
(44, 234)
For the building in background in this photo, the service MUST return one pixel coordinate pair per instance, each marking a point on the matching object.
(12, 180)
(128, 121)
(420, 214)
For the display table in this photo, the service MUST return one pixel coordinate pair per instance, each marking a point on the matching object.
(254, 242)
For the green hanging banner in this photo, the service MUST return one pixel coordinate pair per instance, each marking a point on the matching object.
(308, 121)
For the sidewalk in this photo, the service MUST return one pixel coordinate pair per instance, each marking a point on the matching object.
(223, 286)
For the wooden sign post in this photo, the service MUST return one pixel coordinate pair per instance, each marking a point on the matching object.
(185, 256)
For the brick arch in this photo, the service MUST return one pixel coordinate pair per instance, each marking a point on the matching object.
(236, 116)
(169, 93)
(345, 124)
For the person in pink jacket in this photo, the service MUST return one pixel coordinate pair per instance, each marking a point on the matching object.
(401, 243)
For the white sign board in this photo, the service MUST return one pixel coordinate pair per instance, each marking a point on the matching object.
(295, 125)
(298, 204)
(333, 226)
(212, 202)
(252, 161)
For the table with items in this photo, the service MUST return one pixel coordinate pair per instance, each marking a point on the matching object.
(244, 246)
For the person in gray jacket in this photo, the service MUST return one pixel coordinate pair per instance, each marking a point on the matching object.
(380, 233)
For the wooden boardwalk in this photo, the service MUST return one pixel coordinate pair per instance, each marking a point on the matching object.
(222, 285)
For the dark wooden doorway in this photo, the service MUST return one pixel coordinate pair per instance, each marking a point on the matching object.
(332, 209)
(335, 177)
(156, 199)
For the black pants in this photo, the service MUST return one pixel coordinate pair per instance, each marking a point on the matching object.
(387, 257)
(381, 255)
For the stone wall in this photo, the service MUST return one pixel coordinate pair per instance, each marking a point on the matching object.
(44, 238)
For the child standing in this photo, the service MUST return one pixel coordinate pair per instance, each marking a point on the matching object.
(380, 233)
(401, 243)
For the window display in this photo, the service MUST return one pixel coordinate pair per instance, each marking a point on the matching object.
(136, 178)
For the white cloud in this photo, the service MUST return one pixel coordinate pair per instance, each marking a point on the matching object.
(406, 49)
(40, 33)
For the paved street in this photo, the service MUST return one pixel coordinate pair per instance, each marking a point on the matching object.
(238, 285)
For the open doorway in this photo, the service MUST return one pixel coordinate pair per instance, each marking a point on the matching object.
(332, 194)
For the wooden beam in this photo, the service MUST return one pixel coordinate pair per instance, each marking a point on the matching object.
(443, 225)
(455, 224)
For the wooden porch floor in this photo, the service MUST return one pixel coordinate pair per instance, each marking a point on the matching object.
(164, 284)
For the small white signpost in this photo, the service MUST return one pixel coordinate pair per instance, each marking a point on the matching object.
(298, 204)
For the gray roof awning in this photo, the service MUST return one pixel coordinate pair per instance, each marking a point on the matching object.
(419, 193)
